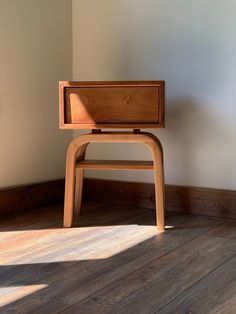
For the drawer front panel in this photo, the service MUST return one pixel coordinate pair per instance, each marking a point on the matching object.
(112, 105)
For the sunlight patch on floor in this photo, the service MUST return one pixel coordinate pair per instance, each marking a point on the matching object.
(103, 242)
(22, 291)
(169, 227)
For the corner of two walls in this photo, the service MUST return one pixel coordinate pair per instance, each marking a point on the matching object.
(36, 50)
(188, 44)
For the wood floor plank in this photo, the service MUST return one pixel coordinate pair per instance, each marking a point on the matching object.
(82, 279)
(84, 239)
(214, 294)
(114, 261)
(151, 287)
(19, 239)
(24, 221)
(44, 242)
(66, 244)
(22, 274)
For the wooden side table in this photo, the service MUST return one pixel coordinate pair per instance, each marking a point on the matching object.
(103, 105)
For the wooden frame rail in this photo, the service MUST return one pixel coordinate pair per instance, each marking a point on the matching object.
(76, 163)
(103, 105)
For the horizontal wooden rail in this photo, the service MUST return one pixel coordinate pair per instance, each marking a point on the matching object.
(115, 164)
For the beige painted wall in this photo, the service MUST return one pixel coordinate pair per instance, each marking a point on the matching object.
(35, 53)
(190, 44)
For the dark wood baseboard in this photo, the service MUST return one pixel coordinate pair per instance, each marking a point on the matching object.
(26, 197)
(191, 200)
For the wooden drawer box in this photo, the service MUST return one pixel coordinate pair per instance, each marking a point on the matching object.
(96, 105)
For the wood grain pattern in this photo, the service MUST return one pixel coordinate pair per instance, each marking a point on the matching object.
(93, 105)
(115, 164)
(27, 197)
(202, 201)
(113, 105)
(79, 269)
(150, 288)
(79, 180)
(90, 105)
(214, 294)
(76, 154)
(183, 199)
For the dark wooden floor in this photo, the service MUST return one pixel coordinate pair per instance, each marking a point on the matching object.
(114, 261)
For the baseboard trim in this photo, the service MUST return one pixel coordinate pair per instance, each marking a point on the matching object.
(21, 198)
(191, 200)
(183, 199)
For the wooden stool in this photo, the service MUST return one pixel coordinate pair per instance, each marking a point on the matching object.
(96, 105)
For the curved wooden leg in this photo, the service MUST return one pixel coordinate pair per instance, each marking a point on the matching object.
(75, 150)
(160, 196)
(78, 190)
(79, 175)
(69, 186)
(157, 153)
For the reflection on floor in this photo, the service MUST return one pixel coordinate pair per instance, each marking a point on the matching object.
(114, 261)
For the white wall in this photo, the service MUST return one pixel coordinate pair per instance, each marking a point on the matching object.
(191, 45)
(35, 53)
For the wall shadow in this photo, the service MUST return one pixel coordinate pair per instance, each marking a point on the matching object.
(196, 140)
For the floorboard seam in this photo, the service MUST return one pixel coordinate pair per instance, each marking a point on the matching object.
(187, 289)
(149, 262)
(49, 244)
